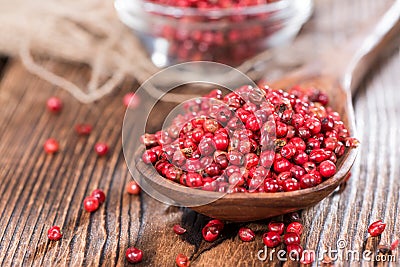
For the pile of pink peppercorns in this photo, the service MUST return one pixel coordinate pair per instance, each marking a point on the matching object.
(220, 143)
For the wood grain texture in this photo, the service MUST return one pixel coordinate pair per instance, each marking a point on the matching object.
(38, 190)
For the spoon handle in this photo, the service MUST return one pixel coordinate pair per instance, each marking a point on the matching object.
(349, 63)
(374, 45)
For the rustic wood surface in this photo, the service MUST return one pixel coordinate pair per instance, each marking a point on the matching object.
(39, 190)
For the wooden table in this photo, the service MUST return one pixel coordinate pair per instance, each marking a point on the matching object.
(39, 190)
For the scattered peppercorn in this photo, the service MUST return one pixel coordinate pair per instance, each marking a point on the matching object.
(376, 228)
(99, 194)
(54, 233)
(54, 104)
(394, 245)
(133, 188)
(272, 239)
(101, 149)
(179, 230)
(91, 204)
(212, 230)
(210, 233)
(291, 239)
(278, 227)
(182, 260)
(295, 251)
(51, 146)
(83, 129)
(246, 234)
(133, 255)
(295, 227)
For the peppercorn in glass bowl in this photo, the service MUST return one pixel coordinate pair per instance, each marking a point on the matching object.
(222, 31)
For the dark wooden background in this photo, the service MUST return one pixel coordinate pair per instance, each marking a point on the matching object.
(39, 190)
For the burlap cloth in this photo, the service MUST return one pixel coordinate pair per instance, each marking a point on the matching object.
(83, 31)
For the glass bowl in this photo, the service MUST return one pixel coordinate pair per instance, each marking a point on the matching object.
(231, 35)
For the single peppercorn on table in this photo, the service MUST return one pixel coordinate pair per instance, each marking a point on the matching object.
(40, 190)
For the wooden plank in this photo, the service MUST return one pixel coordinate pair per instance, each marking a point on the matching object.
(39, 190)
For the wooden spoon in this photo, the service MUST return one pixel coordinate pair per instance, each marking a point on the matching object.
(339, 85)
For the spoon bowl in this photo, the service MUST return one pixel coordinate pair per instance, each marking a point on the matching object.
(242, 207)
(256, 206)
